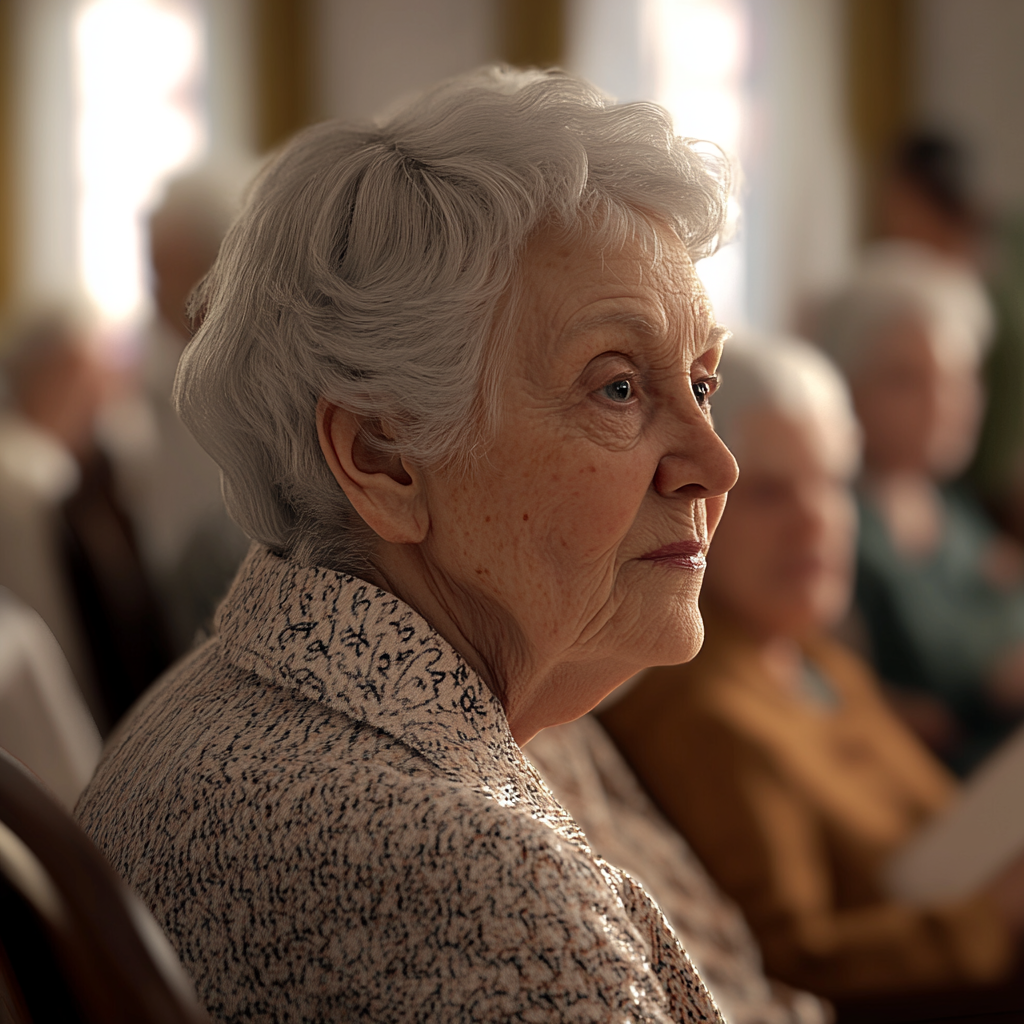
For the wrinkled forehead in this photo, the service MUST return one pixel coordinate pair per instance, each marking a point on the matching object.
(644, 263)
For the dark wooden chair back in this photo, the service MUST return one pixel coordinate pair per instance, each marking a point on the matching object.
(76, 944)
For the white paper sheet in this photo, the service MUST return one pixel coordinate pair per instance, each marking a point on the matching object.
(967, 846)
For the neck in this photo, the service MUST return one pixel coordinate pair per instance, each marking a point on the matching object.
(782, 658)
(882, 478)
(910, 505)
(534, 693)
(401, 570)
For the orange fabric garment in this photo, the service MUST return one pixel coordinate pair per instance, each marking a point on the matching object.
(794, 807)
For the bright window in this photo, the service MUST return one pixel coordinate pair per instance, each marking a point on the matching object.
(698, 61)
(139, 66)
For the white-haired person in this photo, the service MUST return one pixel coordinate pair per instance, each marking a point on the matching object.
(455, 368)
(938, 588)
(171, 487)
(774, 751)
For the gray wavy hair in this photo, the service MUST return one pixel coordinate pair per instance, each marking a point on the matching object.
(375, 266)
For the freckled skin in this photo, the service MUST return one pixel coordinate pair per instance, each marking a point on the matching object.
(555, 605)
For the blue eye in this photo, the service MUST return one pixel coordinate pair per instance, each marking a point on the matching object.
(618, 390)
(704, 389)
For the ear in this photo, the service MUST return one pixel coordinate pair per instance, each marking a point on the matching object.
(389, 494)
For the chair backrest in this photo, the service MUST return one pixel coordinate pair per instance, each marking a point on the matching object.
(76, 944)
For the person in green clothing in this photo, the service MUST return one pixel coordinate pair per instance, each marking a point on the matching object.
(939, 589)
(997, 472)
(928, 195)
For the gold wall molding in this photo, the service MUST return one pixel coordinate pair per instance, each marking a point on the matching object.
(283, 72)
(532, 32)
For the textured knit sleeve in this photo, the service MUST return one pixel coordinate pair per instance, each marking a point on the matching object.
(354, 878)
(471, 892)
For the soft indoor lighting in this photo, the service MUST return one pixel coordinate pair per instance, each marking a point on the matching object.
(139, 119)
(699, 51)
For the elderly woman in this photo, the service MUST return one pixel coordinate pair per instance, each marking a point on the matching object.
(773, 752)
(455, 369)
(940, 592)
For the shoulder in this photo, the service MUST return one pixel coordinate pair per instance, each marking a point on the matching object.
(330, 852)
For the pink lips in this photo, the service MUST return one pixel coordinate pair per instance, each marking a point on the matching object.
(686, 554)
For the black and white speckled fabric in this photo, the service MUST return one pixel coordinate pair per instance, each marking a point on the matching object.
(327, 812)
(594, 783)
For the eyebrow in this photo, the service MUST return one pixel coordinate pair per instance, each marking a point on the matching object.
(718, 335)
(634, 321)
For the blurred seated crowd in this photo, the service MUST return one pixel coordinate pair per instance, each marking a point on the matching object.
(115, 538)
(863, 601)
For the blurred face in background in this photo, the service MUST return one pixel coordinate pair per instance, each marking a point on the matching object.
(782, 558)
(61, 389)
(180, 255)
(919, 403)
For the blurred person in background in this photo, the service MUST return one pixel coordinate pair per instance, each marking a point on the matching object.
(592, 781)
(997, 472)
(44, 720)
(67, 548)
(774, 752)
(939, 590)
(170, 486)
(928, 198)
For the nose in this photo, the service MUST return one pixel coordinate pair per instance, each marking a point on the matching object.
(698, 465)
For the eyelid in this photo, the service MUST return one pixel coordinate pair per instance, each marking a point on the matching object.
(623, 368)
(630, 375)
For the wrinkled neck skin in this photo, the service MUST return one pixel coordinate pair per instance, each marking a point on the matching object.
(533, 693)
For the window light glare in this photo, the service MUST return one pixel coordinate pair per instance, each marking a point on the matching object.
(699, 50)
(138, 66)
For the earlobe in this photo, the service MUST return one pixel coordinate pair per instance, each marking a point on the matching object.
(388, 493)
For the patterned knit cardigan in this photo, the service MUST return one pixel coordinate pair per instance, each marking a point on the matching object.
(326, 811)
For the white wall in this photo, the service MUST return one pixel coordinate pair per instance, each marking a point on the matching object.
(229, 80)
(373, 52)
(800, 209)
(606, 46)
(797, 231)
(970, 60)
(46, 169)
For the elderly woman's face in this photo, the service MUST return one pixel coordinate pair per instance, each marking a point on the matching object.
(782, 560)
(572, 554)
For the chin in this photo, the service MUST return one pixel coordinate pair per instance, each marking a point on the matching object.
(679, 641)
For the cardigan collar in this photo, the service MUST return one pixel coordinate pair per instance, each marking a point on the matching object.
(340, 641)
